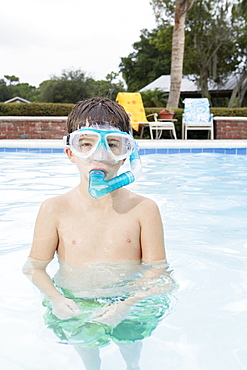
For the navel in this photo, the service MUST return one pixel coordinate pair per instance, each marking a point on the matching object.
(73, 242)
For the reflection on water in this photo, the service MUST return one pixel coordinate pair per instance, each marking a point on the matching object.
(111, 279)
(203, 200)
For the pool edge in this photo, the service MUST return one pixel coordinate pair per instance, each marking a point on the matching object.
(143, 144)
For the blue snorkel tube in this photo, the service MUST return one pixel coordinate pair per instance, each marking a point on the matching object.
(98, 186)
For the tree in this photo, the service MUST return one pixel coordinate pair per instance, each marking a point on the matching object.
(215, 42)
(11, 90)
(25, 91)
(181, 9)
(243, 7)
(74, 86)
(154, 98)
(4, 91)
(71, 87)
(147, 63)
(239, 92)
(108, 88)
(11, 79)
(210, 46)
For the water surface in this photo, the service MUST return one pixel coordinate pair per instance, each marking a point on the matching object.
(203, 201)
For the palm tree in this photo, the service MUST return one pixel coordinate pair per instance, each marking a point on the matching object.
(181, 9)
(154, 98)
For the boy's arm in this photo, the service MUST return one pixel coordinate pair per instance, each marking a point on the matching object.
(62, 307)
(152, 233)
(44, 245)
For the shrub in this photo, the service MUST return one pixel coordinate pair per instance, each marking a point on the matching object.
(35, 109)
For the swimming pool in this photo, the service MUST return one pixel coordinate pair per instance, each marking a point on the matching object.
(203, 201)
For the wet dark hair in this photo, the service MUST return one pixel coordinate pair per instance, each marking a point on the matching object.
(98, 110)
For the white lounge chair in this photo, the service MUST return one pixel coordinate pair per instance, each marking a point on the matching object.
(197, 116)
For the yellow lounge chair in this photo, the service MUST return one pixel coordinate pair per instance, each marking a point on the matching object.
(133, 104)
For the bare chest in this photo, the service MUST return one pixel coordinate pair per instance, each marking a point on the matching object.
(107, 236)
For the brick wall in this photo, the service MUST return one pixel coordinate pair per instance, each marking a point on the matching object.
(230, 128)
(55, 127)
(32, 127)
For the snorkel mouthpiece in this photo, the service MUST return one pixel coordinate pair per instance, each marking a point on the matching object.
(98, 186)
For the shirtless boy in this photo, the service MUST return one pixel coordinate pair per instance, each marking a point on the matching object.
(83, 229)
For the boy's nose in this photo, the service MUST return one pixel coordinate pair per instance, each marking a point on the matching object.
(100, 154)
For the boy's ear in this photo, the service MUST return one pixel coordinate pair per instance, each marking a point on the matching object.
(70, 154)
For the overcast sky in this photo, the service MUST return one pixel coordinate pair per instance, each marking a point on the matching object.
(41, 38)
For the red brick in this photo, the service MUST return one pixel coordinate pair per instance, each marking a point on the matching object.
(12, 128)
(45, 136)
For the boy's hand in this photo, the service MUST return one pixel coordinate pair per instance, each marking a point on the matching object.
(65, 308)
(113, 314)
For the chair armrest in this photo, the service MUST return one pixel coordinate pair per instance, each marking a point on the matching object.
(153, 114)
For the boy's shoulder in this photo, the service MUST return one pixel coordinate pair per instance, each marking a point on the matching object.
(125, 199)
(145, 209)
(57, 201)
(139, 200)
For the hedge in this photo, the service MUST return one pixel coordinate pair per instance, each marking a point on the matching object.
(52, 109)
(35, 109)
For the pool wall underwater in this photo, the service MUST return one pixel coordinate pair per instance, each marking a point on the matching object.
(238, 147)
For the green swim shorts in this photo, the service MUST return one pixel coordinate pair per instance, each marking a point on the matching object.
(79, 331)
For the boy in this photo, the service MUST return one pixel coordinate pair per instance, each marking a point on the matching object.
(85, 232)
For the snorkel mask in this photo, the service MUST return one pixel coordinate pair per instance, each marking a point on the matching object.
(108, 145)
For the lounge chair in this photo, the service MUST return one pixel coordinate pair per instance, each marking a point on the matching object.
(133, 104)
(197, 116)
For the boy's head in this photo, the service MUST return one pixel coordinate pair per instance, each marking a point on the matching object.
(100, 110)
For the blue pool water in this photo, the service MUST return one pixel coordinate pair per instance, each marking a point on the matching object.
(203, 201)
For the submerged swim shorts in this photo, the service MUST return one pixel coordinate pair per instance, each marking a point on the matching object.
(80, 331)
